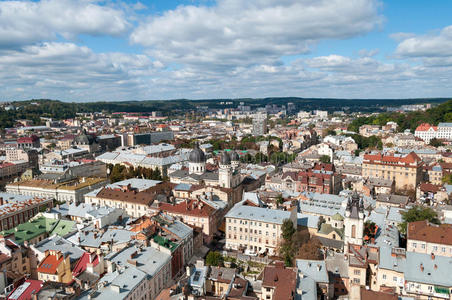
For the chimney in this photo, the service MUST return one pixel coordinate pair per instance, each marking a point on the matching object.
(422, 267)
(435, 266)
(1, 201)
(433, 256)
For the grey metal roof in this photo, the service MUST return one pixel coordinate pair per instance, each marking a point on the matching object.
(117, 285)
(431, 275)
(387, 261)
(307, 220)
(149, 260)
(59, 243)
(258, 214)
(315, 269)
(136, 183)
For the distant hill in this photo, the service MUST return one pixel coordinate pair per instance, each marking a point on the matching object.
(35, 108)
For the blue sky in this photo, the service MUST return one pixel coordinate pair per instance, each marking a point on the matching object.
(110, 50)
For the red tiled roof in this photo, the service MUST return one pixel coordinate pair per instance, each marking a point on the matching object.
(426, 127)
(428, 187)
(373, 295)
(188, 207)
(83, 262)
(379, 158)
(27, 139)
(284, 280)
(50, 264)
(132, 196)
(424, 231)
(32, 287)
(6, 164)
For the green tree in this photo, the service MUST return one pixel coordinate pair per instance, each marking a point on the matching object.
(280, 199)
(287, 229)
(435, 142)
(418, 213)
(447, 178)
(287, 250)
(214, 258)
(324, 159)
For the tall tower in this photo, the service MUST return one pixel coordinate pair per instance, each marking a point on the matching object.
(354, 221)
(225, 171)
(235, 160)
(197, 161)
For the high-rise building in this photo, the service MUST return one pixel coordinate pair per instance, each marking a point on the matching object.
(259, 124)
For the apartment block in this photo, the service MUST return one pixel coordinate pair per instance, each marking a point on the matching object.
(255, 229)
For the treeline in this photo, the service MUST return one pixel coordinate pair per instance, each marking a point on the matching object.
(367, 142)
(120, 172)
(276, 158)
(35, 109)
(410, 120)
(60, 110)
(247, 142)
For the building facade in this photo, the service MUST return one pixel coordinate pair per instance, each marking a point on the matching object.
(405, 171)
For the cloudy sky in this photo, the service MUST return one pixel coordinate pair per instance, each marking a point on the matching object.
(85, 50)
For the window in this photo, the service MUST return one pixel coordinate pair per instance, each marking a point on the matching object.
(394, 278)
(414, 245)
(384, 276)
(353, 231)
(356, 280)
(357, 272)
(423, 246)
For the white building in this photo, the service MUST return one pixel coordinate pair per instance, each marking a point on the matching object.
(427, 132)
(255, 229)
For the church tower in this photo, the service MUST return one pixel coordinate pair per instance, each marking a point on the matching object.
(235, 160)
(197, 161)
(354, 221)
(225, 171)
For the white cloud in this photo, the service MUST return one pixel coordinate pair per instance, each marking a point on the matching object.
(56, 69)
(432, 45)
(231, 49)
(23, 23)
(242, 33)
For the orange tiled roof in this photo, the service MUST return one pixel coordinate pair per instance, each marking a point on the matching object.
(50, 264)
(426, 127)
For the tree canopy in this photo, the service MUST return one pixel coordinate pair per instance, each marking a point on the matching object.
(418, 213)
(214, 258)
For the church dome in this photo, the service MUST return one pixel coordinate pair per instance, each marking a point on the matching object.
(197, 155)
(225, 159)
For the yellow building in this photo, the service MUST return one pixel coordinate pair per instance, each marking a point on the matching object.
(55, 267)
(405, 171)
